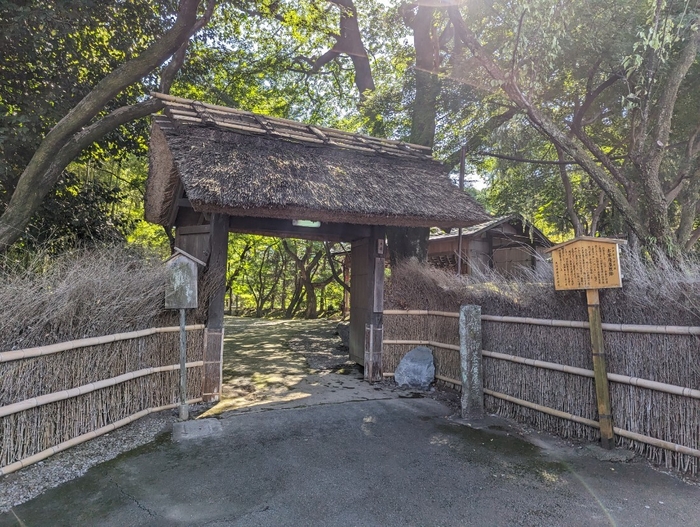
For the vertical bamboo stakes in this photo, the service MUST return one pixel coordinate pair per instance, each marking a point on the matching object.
(607, 435)
(184, 410)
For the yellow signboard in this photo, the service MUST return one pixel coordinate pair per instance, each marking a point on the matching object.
(586, 263)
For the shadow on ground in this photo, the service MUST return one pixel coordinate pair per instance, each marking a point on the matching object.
(266, 365)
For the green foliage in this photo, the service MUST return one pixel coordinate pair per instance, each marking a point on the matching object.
(263, 278)
(53, 53)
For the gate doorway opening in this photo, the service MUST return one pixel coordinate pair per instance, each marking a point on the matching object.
(215, 170)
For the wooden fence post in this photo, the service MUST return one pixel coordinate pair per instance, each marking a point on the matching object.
(472, 400)
(607, 436)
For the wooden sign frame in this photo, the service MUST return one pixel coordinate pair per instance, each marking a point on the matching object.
(586, 263)
(592, 263)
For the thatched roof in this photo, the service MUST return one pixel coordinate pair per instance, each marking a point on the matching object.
(242, 164)
(516, 220)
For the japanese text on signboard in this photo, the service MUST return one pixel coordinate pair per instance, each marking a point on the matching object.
(586, 265)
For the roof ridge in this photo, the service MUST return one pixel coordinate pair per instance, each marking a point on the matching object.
(187, 111)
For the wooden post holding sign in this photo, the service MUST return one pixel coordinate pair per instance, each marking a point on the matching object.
(592, 263)
(181, 293)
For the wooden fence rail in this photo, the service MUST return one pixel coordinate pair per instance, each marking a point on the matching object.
(87, 388)
(27, 353)
(621, 379)
(620, 328)
(13, 467)
(653, 386)
(31, 403)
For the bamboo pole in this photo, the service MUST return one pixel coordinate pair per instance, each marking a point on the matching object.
(618, 328)
(539, 363)
(13, 467)
(421, 312)
(440, 377)
(607, 436)
(614, 377)
(544, 409)
(667, 445)
(27, 353)
(452, 347)
(577, 324)
(87, 388)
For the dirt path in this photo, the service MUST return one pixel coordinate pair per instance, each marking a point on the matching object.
(266, 362)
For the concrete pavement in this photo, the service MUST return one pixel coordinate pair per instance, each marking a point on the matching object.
(299, 447)
(377, 462)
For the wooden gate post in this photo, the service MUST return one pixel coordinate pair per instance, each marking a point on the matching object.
(214, 333)
(607, 435)
(472, 400)
(374, 346)
(367, 303)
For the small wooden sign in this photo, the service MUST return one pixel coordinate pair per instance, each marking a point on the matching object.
(181, 288)
(586, 263)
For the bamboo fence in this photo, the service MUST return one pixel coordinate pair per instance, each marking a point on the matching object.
(539, 371)
(56, 396)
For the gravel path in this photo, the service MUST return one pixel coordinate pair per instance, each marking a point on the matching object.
(29, 482)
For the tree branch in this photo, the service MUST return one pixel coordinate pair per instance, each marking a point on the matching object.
(533, 161)
(34, 183)
(604, 180)
(335, 273)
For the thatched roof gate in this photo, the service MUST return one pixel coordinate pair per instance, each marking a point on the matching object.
(215, 169)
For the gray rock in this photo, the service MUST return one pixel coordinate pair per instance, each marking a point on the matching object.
(416, 369)
(343, 330)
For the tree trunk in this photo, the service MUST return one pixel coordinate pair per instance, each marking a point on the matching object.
(311, 304)
(412, 242)
(568, 192)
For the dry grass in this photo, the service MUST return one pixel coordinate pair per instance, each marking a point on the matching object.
(659, 294)
(86, 294)
(664, 293)
(80, 294)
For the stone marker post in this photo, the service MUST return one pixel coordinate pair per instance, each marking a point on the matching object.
(470, 357)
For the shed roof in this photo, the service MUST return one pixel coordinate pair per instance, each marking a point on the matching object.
(243, 164)
(486, 226)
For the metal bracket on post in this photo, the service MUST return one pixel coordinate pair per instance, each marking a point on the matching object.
(373, 352)
(472, 400)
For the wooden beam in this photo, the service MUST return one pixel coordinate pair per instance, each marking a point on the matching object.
(194, 229)
(187, 216)
(332, 232)
(367, 302)
(214, 334)
(174, 206)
